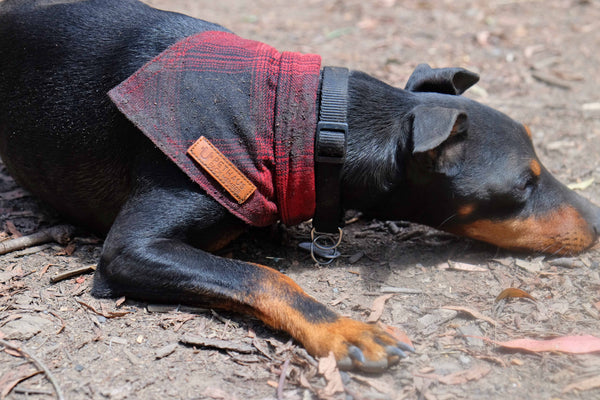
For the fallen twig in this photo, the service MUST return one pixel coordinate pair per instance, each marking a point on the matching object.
(72, 273)
(567, 262)
(14, 194)
(550, 80)
(60, 234)
(217, 344)
(302, 353)
(38, 363)
(27, 391)
(30, 250)
(107, 314)
(284, 369)
(393, 289)
(62, 321)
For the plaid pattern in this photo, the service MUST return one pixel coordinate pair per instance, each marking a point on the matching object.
(255, 104)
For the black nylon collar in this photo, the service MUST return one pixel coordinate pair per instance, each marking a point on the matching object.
(330, 149)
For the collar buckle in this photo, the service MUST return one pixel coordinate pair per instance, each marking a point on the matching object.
(330, 142)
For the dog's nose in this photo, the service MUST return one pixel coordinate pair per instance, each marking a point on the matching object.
(589, 212)
(596, 224)
(594, 219)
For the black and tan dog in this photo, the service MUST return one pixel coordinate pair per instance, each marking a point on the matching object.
(204, 133)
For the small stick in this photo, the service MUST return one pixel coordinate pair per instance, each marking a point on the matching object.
(62, 321)
(72, 273)
(284, 369)
(38, 363)
(393, 289)
(216, 344)
(60, 234)
(27, 392)
(550, 80)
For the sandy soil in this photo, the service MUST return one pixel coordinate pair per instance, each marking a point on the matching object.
(539, 63)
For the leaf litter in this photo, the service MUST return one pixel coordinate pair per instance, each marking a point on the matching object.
(502, 40)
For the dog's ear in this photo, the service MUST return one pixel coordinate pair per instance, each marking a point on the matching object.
(434, 125)
(441, 80)
(438, 135)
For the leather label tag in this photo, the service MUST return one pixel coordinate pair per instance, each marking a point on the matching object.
(220, 168)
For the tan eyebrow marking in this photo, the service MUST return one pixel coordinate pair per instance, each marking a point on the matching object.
(527, 130)
(535, 167)
(465, 210)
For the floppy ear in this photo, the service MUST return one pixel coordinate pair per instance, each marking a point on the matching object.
(433, 125)
(438, 138)
(441, 80)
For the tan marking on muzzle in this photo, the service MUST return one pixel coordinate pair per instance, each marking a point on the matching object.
(563, 231)
(527, 130)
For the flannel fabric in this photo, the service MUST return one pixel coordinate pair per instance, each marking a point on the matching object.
(256, 105)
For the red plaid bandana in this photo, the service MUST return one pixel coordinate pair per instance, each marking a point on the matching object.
(255, 105)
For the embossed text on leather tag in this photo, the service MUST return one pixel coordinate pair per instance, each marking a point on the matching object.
(220, 168)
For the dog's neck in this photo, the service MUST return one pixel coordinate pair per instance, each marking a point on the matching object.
(377, 140)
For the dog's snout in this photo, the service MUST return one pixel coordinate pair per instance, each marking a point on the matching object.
(596, 222)
(591, 213)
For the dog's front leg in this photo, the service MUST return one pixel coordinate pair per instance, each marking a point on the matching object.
(147, 256)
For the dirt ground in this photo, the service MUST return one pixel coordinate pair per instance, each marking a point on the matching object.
(538, 62)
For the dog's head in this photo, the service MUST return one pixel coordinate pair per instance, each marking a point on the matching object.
(471, 170)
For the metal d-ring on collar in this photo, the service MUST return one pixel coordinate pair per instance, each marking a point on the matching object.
(330, 155)
(323, 246)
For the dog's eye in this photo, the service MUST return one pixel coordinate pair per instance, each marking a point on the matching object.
(526, 183)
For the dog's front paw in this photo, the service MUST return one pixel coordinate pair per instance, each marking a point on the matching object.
(356, 345)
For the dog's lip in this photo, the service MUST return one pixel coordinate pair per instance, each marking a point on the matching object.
(561, 231)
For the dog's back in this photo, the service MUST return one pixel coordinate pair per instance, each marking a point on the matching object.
(54, 81)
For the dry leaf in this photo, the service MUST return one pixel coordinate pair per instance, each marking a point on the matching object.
(68, 250)
(586, 384)
(590, 106)
(461, 377)
(506, 261)
(328, 368)
(304, 382)
(565, 344)
(534, 266)
(11, 351)
(459, 266)
(377, 307)
(217, 394)
(367, 23)
(513, 292)
(14, 376)
(568, 262)
(377, 384)
(581, 185)
(12, 229)
(473, 313)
